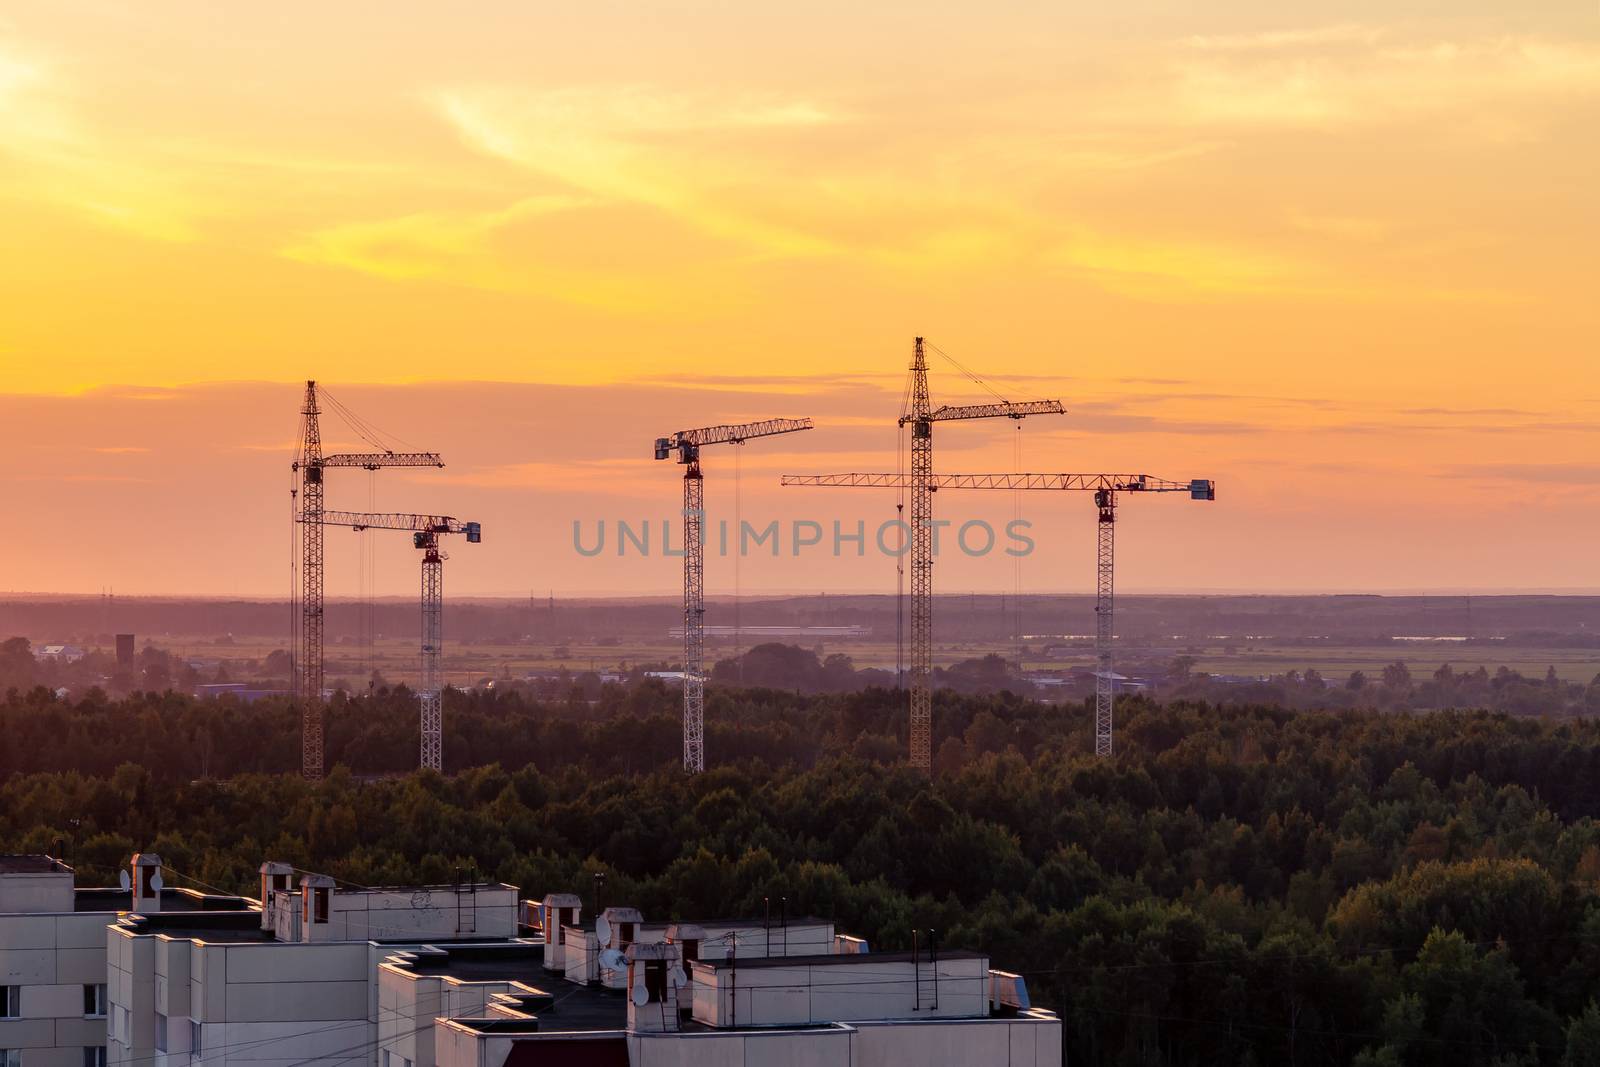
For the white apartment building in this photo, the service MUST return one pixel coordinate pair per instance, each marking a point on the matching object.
(678, 995)
(294, 984)
(53, 997)
(436, 976)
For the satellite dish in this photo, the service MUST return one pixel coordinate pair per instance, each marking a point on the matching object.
(641, 995)
(156, 883)
(602, 929)
(613, 960)
(677, 978)
(124, 879)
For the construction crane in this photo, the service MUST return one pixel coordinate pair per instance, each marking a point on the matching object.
(310, 465)
(920, 417)
(425, 533)
(687, 444)
(1105, 488)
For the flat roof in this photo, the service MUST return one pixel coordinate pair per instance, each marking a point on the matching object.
(556, 1004)
(445, 887)
(31, 863)
(769, 924)
(483, 962)
(228, 927)
(175, 901)
(846, 959)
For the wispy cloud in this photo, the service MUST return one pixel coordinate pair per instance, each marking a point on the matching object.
(1573, 475)
(1345, 75)
(641, 145)
(457, 246)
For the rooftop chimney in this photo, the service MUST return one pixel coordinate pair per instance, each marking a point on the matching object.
(275, 878)
(146, 883)
(316, 907)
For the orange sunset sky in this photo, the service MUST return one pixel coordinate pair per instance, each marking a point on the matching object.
(1339, 257)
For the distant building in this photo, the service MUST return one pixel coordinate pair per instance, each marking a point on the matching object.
(124, 650)
(60, 653)
(244, 692)
(779, 631)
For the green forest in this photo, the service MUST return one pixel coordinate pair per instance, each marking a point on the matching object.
(1239, 885)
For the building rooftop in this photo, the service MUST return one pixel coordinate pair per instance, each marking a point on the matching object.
(839, 960)
(773, 923)
(229, 927)
(180, 901)
(555, 1005)
(13, 863)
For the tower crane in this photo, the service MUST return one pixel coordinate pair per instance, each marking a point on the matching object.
(687, 444)
(1106, 488)
(310, 465)
(920, 417)
(425, 533)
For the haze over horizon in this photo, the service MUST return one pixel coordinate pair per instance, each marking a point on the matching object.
(1339, 261)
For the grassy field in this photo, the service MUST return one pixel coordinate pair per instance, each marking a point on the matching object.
(396, 659)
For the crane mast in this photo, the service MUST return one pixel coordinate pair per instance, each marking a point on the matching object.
(921, 417)
(921, 699)
(308, 687)
(1105, 502)
(430, 694)
(425, 532)
(311, 465)
(687, 445)
(1105, 488)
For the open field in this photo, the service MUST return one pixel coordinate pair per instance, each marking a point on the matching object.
(397, 658)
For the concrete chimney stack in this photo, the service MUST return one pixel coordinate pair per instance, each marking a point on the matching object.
(275, 878)
(147, 883)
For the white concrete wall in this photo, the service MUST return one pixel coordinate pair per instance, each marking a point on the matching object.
(868, 988)
(579, 951)
(1024, 1041)
(407, 1001)
(810, 1048)
(130, 987)
(755, 941)
(1018, 1042)
(46, 891)
(443, 912)
(50, 957)
(262, 1004)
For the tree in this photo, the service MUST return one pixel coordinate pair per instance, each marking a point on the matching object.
(16, 663)
(1356, 682)
(1583, 1039)
(1397, 676)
